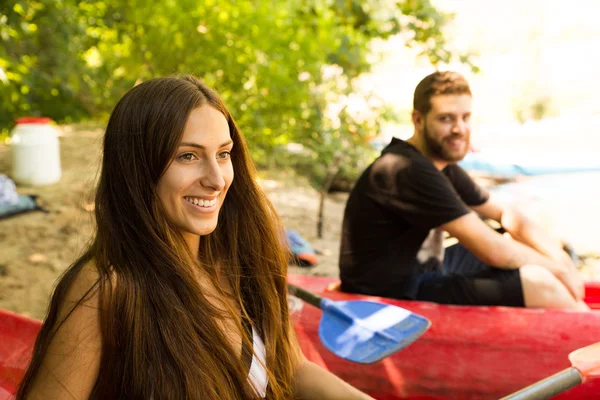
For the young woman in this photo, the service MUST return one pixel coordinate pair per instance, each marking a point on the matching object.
(182, 292)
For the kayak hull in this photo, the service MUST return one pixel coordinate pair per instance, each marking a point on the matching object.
(17, 336)
(468, 353)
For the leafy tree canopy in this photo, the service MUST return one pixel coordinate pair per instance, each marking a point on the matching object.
(279, 65)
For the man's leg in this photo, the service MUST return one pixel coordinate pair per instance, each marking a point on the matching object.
(470, 281)
(502, 288)
(541, 289)
(466, 280)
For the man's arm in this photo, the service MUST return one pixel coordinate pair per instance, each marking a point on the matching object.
(493, 249)
(525, 230)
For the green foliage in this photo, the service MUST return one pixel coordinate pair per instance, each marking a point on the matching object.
(533, 105)
(72, 60)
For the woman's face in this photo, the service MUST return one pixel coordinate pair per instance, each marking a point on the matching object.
(193, 188)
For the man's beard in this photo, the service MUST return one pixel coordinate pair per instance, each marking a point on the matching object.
(441, 150)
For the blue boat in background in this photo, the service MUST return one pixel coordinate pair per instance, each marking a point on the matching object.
(518, 164)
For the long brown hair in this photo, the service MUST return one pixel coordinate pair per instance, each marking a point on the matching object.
(160, 335)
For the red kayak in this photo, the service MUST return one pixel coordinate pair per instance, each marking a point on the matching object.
(468, 353)
(17, 335)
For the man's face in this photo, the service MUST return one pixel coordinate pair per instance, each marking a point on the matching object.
(446, 128)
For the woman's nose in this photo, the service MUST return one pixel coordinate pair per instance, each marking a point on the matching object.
(212, 177)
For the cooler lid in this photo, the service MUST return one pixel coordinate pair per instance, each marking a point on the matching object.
(33, 120)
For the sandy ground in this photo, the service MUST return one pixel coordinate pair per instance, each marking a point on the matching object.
(35, 248)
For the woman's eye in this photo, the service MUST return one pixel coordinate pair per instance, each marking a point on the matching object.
(186, 157)
(224, 155)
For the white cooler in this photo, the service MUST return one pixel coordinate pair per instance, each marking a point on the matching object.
(36, 152)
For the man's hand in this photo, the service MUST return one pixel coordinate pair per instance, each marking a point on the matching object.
(562, 257)
(569, 276)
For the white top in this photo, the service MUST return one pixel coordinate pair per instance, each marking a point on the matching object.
(258, 373)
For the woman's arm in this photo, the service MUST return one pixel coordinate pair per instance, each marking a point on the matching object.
(70, 366)
(315, 383)
(311, 382)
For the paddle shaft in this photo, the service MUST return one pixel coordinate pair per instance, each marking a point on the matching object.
(549, 387)
(308, 297)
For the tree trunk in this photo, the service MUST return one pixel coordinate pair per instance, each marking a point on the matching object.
(331, 174)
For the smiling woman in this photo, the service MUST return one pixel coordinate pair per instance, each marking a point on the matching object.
(194, 186)
(182, 292)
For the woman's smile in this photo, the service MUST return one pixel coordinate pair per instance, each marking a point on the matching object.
(202, 205)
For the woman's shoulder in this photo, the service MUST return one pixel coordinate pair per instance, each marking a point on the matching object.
(71, 358)
(76, 300)
(82, 290)
(83, 282)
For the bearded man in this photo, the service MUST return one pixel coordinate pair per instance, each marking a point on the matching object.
(398, 210)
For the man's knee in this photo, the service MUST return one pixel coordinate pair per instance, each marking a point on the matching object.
(538, 276)
(542, 289)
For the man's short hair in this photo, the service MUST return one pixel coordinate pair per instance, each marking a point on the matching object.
(438, 83)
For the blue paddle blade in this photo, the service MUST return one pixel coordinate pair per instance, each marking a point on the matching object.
(365, 331)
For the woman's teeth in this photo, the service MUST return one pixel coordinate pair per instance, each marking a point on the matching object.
(200, 202)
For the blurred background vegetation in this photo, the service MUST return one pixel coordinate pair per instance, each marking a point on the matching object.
(286, 69)
(315, 85)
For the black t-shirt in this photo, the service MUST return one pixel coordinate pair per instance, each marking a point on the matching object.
(389, 231)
